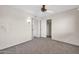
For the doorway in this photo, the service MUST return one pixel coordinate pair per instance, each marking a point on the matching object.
(49, 28)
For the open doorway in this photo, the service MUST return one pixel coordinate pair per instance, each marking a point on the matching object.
(49, 28)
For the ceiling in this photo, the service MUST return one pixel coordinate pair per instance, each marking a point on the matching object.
(36, 9)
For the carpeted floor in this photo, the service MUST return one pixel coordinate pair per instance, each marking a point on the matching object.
(42, 46)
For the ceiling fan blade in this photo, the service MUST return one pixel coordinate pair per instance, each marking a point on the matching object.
(49, 11)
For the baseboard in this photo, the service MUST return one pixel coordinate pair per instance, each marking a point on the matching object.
(66, 42)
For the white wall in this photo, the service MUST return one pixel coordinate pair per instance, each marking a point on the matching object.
(14, 28)
(64, 27)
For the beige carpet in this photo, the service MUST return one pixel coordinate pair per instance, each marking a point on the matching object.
(42, 46)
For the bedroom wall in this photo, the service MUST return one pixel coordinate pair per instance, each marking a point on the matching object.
(14, 28)
(65, 27)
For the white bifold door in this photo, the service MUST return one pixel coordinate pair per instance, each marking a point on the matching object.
(39, 28)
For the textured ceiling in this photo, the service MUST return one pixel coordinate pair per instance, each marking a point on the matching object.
(36, 9)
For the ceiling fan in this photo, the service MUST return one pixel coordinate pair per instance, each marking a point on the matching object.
(43, 9)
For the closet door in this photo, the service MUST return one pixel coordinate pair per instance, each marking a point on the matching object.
(35, 27)
(43, 28)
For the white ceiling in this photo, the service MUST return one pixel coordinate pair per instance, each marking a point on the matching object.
(36, 9)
